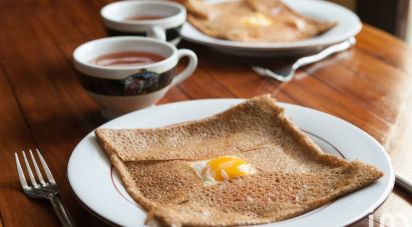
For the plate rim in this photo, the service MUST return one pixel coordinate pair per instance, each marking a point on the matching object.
(388, 188)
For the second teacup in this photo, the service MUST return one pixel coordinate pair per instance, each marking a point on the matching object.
(159, 19)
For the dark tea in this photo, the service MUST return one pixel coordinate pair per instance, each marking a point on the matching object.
(127, 58)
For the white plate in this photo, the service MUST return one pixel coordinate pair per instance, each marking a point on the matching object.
(92, 180)
(348, 25)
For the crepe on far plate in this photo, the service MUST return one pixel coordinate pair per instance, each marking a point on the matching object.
(247, 165)
(253, 21)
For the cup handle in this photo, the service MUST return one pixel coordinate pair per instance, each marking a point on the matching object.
(157, 32)
(187, 72)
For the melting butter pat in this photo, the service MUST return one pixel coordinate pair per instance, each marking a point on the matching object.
(257, 20)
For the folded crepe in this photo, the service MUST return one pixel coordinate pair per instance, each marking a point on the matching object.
(293, 174)
(253, 21)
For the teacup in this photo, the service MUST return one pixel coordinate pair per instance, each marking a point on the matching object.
(122, 89)
(159, 19)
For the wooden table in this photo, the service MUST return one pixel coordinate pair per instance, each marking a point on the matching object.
(42, 104)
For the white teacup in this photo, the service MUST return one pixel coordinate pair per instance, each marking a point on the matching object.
(117, 19)
(122, 89)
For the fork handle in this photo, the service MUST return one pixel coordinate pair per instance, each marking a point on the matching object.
(62, 213)
(324, 53)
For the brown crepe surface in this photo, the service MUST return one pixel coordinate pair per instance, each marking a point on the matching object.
(253, 21)
(293, 175)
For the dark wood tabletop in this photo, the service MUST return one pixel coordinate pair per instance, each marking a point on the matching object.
(43, 105)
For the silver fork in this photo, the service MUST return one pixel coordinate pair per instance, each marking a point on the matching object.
(44, 190)
(287, 73)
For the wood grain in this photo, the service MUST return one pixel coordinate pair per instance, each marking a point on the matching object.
(42, 104)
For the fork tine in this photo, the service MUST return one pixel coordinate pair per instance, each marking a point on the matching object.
(258, 70)
(39, 175)
(33, 181)
(261, 71)
(46, 168)
(23, 181)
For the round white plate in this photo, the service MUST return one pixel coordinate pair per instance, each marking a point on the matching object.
(99, 188)
(348, 25)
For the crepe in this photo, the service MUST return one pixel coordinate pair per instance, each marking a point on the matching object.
(253, 21)
(293, 175)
